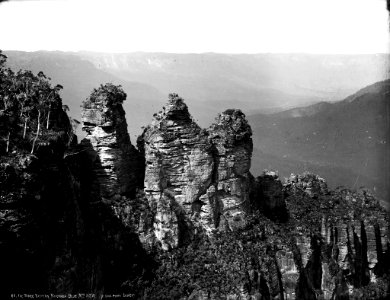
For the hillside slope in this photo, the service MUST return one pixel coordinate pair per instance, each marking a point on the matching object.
(347, 142)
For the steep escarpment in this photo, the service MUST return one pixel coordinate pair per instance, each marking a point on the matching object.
(334, 245)
(32, 172)
(291, 240)
(342, 239)
(60, 230)
(181, 217)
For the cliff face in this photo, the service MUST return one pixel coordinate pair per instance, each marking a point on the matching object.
(32, 209)
(93, 218)
(195, 179)
(118, 164)
(341, 246)
(231, 137)
(197, 184)
(61, 223)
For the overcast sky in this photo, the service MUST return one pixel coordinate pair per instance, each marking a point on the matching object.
(228, 26)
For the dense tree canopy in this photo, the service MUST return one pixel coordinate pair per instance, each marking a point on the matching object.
(109, 92)
(27, 103)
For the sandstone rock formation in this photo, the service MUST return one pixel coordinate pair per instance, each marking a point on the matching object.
(118, 164)
(312, 184)
(90, 220)
(231, 136)
(342, 242)
(197, 182)
(60, 229)
(195, 179)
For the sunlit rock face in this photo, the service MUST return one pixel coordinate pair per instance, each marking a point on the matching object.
(179, 170)
(118, 164)
(231, 137)
(196, 180)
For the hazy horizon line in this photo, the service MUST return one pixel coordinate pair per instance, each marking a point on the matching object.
(205, 52)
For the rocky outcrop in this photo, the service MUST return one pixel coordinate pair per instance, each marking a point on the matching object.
(195, 179)
(179, 170)
(342, 240)
(87, 220)
(59, 226)
(267, 196)
(231, 136)
(119, 166)
(311, 184)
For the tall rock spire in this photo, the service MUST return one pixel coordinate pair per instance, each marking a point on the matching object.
(179, 167)
(231, 136)
(118, 164)
(194, 176)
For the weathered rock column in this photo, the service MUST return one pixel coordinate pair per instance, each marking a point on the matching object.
(195, 179)
(118, 165)
(231, 137)
(179, 166)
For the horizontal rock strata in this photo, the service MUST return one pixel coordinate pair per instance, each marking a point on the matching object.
(195, 179)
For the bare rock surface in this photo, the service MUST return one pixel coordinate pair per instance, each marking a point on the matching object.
(118, 163)
(195, 179)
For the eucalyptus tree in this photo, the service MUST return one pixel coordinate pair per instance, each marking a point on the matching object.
(26, 80)
(53, 98)
(42, 91)
(26, 101)
(9, 103)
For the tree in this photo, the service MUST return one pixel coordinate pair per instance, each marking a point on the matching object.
(8, 106)
(51, 99)
(43, 93)
(26, 81)
(109, 92)
(3, 59)
(27, 101)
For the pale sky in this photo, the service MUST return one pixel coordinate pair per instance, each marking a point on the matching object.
(180, 26)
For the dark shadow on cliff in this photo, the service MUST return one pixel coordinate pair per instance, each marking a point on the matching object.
(123, 264)
(61, 238)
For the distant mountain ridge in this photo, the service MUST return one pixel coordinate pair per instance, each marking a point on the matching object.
(210, 82)
(319, 107)
(347, 142)
(329, 77)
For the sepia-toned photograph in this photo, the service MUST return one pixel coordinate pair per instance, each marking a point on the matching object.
(195, 149)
